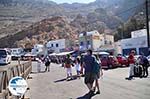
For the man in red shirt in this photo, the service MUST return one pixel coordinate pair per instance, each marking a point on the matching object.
(131, 61)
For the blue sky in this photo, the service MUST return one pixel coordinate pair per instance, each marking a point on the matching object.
(72, 1)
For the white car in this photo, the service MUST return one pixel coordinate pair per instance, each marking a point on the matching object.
(5, 56)
(148, 57)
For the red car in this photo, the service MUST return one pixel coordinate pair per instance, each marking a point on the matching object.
(123, 61)
(104, 62)
(113, 62)
(109, 62)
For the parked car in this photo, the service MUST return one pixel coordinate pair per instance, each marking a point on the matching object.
(123, 61)
(5, 56)
(17, 53)
(104, 62)
(136, 57)
(113, 62)
(148, 57)
(29, 56)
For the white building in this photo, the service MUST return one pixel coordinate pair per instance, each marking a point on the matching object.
(137, 42)
(94, 40)
(58, 45)
(89, 40)
(38, 49)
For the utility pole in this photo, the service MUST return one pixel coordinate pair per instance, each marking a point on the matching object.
(122, 32)
(147, 26)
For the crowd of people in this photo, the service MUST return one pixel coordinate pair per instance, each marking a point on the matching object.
(91, 64)
(138, 67)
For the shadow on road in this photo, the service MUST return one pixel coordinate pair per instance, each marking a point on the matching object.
(86, 96)
(61, 80)
(37, 72)
(64, 79)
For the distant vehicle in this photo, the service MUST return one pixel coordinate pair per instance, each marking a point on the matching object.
(29, 56)
(104, 62)
(148, 57)
(113, 62)
(123, 61)
(136, 57)
(17, 53)
(5, 56)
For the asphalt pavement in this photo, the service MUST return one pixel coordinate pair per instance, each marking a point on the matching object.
(52, 85)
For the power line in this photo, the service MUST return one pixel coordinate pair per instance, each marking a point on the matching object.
(125, 11)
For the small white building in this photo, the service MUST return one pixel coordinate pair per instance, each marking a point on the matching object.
(137, 42)
(38, 49)
(89, 40)
(58, 45)
(94, 40)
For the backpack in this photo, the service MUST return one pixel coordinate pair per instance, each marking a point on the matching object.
(96, 66)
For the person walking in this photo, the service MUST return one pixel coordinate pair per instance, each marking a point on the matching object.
(99, 73)
(68, 63)
(78, 67)
(88, 63)
(39, 63)
(47, 64)
(131, 61)
(145, 64)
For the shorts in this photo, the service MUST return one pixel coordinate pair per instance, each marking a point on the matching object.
(69, 71)
(89, 78)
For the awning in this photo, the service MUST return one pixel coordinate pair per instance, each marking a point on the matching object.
(64, 53)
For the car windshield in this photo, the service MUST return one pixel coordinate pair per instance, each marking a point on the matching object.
(2, 52)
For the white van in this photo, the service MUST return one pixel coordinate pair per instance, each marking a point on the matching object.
(5, 56)
(16, 53)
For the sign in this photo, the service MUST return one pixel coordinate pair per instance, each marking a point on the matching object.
(17, 86)
(139, 33)
(134, 42)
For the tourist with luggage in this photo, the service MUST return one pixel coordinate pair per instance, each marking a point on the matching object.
(131, 61)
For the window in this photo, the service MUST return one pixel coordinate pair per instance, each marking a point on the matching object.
(57, 45)
(2, 52)
(51, 45)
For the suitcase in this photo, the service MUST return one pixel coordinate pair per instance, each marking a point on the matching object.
(138, 69)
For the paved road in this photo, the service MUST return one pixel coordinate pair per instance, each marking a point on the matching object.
(51, 85)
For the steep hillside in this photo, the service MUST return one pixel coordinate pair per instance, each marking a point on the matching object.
(47, 29)
(20, 20)
(16, 15)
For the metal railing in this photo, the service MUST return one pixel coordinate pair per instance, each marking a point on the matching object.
(7, 72)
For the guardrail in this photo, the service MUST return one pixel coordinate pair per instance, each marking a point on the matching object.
(7, 72)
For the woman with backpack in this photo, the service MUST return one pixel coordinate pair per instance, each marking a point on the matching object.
(98, 73)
